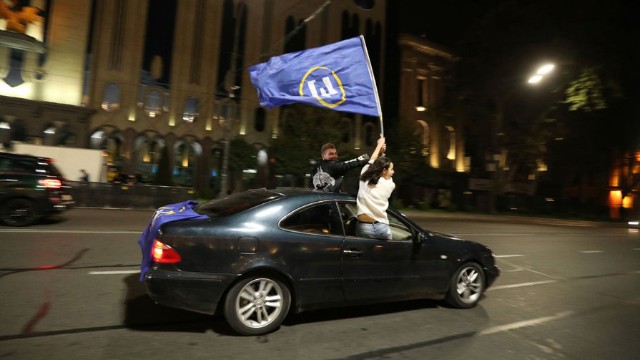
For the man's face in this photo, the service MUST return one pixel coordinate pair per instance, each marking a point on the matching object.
(330, 154)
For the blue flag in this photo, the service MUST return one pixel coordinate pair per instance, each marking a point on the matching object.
(165, 214)
(337, 76)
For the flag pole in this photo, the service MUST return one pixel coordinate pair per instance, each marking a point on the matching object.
(373, 82)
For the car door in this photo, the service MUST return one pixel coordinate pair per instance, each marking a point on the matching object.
(376, 269)
(315, 255)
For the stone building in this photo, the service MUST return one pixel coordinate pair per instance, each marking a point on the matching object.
(147, 77)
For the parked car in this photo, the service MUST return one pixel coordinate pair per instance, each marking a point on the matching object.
(30, 187)
(255, 256)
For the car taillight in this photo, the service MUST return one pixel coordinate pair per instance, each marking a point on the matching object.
(164, 254)
(50, 183)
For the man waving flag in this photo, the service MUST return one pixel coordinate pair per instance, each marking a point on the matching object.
(337, 76)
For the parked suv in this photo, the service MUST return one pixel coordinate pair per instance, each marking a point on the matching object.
(30, 187)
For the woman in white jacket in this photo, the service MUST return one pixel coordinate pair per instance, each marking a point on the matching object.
(376, 186)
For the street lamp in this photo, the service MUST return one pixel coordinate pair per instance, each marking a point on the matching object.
(226, 115)
(540, 73)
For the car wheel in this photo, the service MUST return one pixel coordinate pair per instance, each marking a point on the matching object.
(467, 286)
(257, 305)
(19, 212)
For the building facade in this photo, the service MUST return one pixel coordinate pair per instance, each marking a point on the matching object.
(425, 68)
(151, 78)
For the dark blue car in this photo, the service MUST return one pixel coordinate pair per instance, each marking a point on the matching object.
(256, 255)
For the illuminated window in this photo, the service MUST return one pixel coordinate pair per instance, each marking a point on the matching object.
(191, 109)
(421, 103)
(111, 97)
(153, 104)
(422, 130)
(451, 154)
(49, 136)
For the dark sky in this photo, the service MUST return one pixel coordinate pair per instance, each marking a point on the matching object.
(442, 22)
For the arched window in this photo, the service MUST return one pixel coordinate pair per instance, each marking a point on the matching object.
(147, 152)
(111, 97)
(110, 143)
(186, 154)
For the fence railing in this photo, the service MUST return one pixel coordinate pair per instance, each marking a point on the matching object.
(138, 196)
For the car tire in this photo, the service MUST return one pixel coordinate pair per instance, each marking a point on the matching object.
(467, 286)
(18, 212)
(257, 305)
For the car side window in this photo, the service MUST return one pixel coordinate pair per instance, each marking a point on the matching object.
(316, 219)
(399, 230)
(13, 166)
(348, 213)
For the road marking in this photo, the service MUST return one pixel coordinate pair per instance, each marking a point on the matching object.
(507, 256)
(591, 251)
(636, 249)
(114, 272)
(525, 323)
(48, 231)
(522, 285)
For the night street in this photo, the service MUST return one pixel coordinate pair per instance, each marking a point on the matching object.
(568, 290)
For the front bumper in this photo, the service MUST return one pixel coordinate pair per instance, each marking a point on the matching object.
(199, 292)
(491, 273)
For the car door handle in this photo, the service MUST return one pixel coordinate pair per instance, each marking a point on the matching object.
(353, 253)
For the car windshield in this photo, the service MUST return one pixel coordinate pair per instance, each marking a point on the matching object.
(236, 203)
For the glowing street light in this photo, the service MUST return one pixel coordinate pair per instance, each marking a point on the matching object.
(540, 73)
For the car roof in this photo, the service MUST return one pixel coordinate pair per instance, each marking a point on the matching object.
(23, 156)
(302, 192)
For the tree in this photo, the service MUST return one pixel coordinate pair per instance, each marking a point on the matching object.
(406, 151)
(242, 155)
(303, 130)
(583, 112)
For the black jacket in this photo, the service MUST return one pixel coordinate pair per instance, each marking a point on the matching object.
(336, 169)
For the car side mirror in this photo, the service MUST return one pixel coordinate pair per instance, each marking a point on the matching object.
(422, 237)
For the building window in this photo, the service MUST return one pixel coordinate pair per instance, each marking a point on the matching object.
(153, 104)
(451, 154)
(186, 155)
(49, 135)
(346, 124)
(147, 154)
(421, 103)
(97, 139)
(260, 121)
(370, 138)
(111, 98)
(191, 109)
(422, 130)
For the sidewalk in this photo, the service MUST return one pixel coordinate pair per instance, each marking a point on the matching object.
(512, 219)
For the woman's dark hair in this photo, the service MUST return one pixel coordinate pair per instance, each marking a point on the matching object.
(373, 173)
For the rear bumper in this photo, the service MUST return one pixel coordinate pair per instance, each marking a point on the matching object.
(187, 290)
(58, 202)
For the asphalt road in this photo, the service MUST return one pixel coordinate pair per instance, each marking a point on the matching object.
(569, 290)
